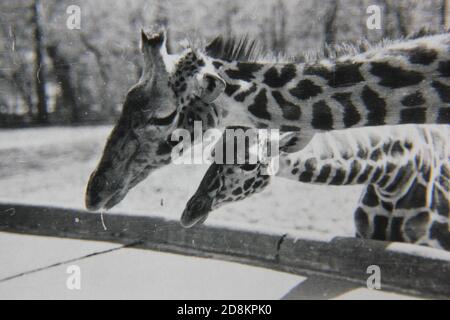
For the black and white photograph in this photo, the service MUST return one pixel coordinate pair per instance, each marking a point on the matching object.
(224, 155)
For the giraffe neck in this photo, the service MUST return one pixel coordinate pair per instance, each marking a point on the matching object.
(400, 83)
(387, 158)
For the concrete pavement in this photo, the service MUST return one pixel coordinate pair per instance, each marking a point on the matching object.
(35, 267)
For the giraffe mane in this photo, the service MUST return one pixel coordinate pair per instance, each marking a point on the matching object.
(233, 48)
(246, 49)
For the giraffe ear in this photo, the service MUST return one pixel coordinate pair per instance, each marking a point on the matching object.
(211, 86)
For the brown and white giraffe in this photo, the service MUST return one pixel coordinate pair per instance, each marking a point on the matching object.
(405, 170)
(401, 82)
(140, 141)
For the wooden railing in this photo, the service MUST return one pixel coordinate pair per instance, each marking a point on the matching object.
(404, 268)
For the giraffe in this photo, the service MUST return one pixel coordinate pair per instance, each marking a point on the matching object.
(405, 170)
(395, 83)
(140, 141)
(399, 82)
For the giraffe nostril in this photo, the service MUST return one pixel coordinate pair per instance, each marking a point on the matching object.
(197, 207)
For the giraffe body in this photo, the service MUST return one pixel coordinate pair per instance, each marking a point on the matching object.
(223, 86)
(405, 170)
(396, 83)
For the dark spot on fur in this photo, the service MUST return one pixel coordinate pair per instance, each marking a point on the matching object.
(339, 177)
(290, 110)
(322, 118)
(413, 99)
(240, 97)
(355, 168)
(305, 90)
(380, 224)
(237, 191)
(376, 174)
(376, 154)
(362, 223)
(444, 115)
(286, 128)
(416, 227)
(245, 71)
(324, 174)
(231, 88)
(388, 206)
(442, 203)
(398, 179)
(305, 176)
(163, 148)
(415, 198)
(370, 198)
(444, 68)
(275, 79)
(422, 55)
(365, 175)
(442, 90)
(351, 114)
(259, 107)
(395, 77)
(375, 105)
(344, 74)
(413, 115)
(248, 183)
(395, 232)
(440, 232)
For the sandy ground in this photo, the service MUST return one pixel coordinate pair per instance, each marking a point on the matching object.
(51, 166)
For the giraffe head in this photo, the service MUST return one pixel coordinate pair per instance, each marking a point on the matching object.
(221, 184)
(198, 70)
(194, 79)
(139, 141)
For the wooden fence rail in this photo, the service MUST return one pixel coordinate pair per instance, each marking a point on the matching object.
(404, 268)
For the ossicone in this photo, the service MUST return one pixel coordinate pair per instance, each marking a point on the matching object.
(152, 39)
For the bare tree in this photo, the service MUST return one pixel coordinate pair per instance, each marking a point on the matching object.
(330, 29)
(62, 71)
(278, 27)
(39, 66)
(444, 14)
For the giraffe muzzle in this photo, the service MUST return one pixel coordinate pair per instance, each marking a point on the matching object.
(196, 211)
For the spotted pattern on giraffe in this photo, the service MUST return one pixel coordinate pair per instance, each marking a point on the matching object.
(259, 106)
(380, 224)
(375, 105)
(413, 99)
(244, 71)
(351, 113)
(444, 68)
(442, 90)
(322, 118)
(416, 226)
(305, 89)
(422, 55)
(290, 111)
(275, 79)
(344, 74)
(395, 77)
(230, 89)
(240, 97)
